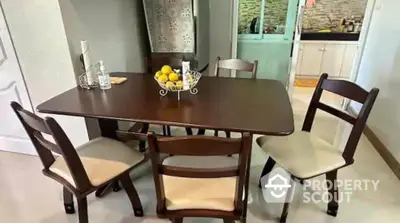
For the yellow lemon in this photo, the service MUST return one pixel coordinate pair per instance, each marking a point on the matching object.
(173, 76)
(170, 85)
(179, 84)
(158, 74)
(166, 69)
(163, 78)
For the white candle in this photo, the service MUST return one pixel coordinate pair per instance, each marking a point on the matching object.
(87, 61)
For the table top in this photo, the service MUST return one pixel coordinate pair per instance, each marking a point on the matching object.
(232, 104)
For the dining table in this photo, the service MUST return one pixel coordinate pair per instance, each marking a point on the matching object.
(256, 106)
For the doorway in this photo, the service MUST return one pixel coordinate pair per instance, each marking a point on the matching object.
(13, 137)
(331, 41)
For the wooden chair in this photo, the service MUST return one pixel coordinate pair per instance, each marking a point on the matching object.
(305, 155)
(185, 191)
(155, 64)
(235, 64)
(82, 171)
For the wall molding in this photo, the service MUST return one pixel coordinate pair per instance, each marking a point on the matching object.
(380, 147)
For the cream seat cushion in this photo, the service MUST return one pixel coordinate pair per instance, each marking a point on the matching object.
(102, 158)
(302, 154)
(200, 193)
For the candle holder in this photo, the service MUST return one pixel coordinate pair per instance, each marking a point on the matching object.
(83, 81)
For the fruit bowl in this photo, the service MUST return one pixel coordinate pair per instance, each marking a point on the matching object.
(179, 85)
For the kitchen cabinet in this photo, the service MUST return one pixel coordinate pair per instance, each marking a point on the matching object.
(348, 60)
(332, 57)
(311, 58)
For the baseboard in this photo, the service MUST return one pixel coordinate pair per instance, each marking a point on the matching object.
(380, 148)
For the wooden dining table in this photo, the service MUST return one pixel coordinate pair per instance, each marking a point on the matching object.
(229, 104)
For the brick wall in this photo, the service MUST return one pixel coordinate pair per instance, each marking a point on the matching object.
(314, 18)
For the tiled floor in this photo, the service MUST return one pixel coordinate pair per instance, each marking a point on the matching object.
(27, 196)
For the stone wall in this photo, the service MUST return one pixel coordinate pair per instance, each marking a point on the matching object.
(317, 16)
(314, 18)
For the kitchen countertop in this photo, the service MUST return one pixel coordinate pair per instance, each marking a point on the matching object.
(330, 36)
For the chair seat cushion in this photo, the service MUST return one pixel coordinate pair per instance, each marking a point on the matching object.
(102, 158)
(200, 193)
(302, 154)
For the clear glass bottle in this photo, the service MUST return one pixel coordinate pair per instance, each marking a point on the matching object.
(104, 77)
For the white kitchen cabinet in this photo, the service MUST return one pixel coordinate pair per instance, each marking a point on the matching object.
(348, 60)
(299, 58)
(311, 59)
(332, 57)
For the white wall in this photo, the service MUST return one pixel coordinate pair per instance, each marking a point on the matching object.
(38, 34)
(380, 67)
(115, 30)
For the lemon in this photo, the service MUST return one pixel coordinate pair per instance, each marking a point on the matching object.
(173, 76)
(158, 74)
(179, 84)
(163, 78)
(170, 85)
(166, 69)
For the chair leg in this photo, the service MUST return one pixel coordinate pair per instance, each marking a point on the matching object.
(269, 165)
(142, 144)
(169, 130)
(177, 220)
(68, 201)
(132, 194)
(285, 210)
(189, 131)
(115, 186)
(333, 206)
(201, 132)
(164, 130)
(228, 134)
(82, 210)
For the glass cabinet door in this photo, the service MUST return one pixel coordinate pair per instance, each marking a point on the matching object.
(279, 19)
(250, 19)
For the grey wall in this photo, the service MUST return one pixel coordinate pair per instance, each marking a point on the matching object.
(202, 13)
(115, 30)
(220, 32)
(380, 67)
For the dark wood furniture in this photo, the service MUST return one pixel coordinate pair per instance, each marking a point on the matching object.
(232, 104)
(306, 156)
(238, 65)
(227, 199)
(155, 64)
(79, 172)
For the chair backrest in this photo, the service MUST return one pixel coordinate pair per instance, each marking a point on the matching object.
(236, 64)
(351, 91)
(35, 128)
(201, 146)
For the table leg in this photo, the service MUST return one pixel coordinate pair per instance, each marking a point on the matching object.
(108, 129)
(142, 144)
